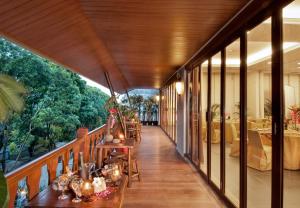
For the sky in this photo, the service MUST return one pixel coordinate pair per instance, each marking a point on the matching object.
(95, 84)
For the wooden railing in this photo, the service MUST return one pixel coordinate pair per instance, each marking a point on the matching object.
(85, 142)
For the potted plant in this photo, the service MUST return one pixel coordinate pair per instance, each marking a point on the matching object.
(268, 108)
(215, 111)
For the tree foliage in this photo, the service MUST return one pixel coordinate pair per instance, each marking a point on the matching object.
(57, 100)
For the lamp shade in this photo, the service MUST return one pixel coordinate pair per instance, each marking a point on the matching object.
(157, 98)
(179, 87)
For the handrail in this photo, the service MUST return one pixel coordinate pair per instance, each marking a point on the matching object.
(96, 129)
(85, 142)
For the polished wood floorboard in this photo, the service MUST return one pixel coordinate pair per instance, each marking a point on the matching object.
(167, 179)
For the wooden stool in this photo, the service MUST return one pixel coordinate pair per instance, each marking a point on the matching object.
(117, 155)
(131, 133)
(135, 170)
(134, 167)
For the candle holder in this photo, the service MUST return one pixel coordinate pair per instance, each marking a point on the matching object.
(87, 189)
(63, 182)
(75, 186)
(115, 175)
(121, 137)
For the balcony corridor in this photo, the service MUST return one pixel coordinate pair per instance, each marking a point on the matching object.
(167, 180)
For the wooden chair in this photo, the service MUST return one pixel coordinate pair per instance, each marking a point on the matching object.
(134, 131)
(228, 132)
(259, 156)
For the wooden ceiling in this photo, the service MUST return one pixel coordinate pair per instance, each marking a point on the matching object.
(140, 43)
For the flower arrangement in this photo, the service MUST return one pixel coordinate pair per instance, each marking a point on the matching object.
(295, 114)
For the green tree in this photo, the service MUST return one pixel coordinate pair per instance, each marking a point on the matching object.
(92, 114)
(57, 102)
(136, 102)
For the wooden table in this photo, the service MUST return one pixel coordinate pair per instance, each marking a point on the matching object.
(128, 143)
(49, 198)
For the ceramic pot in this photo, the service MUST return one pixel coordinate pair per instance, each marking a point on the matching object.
(109, 138)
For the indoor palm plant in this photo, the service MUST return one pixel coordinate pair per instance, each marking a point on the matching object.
(10, 100)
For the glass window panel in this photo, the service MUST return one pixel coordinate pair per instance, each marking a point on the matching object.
(203, 122)
(291, 67)
(193, 106)
(189, 113)
(259, 135)
(195, 115)
(232, 122)
(215, 112)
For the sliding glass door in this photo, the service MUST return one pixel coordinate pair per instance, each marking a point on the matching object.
(259, 115)
(215, 118)
(291, 81)
(203, 116)
(232, 121)
(244, 117)
(193, 109)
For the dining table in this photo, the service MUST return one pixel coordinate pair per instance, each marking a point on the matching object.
(125, 144)
(291, 146)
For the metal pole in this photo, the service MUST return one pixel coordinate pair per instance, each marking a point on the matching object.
(129, 101)
(112, 92)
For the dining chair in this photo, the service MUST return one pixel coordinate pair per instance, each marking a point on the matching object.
(235, 145)
(259, 156)
(216, 133)
(228, 132)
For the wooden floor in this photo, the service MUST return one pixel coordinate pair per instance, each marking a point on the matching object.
(167, 180)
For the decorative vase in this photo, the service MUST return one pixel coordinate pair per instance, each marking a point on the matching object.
(116, 141)
(99, 184)
(109, 138)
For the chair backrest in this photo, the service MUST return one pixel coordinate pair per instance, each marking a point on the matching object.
(216, 124)
(254, 139)
(233, 131)
(251, 125)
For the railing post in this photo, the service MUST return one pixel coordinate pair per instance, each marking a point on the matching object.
(33, 180)
(12, 189)
(75, 157)
(82, 134)
(66, 158)
(52, 165)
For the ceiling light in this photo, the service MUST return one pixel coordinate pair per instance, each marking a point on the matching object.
(291, 11)
(157, 98)
(179, 87)
(267, 52)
